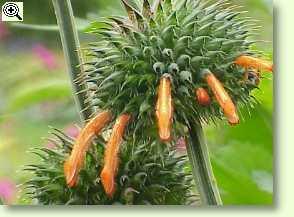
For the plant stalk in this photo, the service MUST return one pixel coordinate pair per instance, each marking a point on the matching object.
(71, 50)
(201, 166)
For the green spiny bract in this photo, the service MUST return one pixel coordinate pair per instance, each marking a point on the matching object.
(144, 176)
(176, 37)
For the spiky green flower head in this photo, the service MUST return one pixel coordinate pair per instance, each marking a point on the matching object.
(144, 176)
(180, 39)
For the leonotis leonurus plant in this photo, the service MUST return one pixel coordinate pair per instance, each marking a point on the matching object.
(151, 73)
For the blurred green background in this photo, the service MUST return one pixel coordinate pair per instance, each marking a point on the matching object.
(35, 92)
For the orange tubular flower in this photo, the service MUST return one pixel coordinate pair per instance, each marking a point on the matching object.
(259, 64)
(222, 97)
(111, 154)
(164, 109)
(202, 96)
(74, 163)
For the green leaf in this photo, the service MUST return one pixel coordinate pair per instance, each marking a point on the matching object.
(40, 92)
(82, 24)
(265, 94)
(242, 159)
(94, 26)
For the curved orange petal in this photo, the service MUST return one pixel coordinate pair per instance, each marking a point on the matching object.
(222, 98)
(74, 163)
(249, 61)
(111, 154)
(164, 109)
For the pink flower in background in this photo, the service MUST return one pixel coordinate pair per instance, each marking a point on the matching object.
(50, 145)
(7, 190)
(46, 56)
(181, 144)
(3, 31)
(72, 131)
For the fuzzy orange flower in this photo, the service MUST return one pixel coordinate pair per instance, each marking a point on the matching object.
(111, 154)
(222, 97)
(253, 62)
(164, 109)
(74, 163)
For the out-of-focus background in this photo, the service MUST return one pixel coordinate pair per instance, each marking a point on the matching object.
(35, 93)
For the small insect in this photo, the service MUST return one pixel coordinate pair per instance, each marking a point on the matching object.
(252, 76)
(202, 96)
(222, 97)
(111, 154)
(75, 161)
(164, 108)
(253, 62)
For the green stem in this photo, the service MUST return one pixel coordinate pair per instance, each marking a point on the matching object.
(71, 49)
(201, 167)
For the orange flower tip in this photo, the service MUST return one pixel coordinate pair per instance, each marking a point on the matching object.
(271, 67)
(107, 180)
(70, 175)
(202, 96)
(205, 72)
(234, 120)
(126, 117)
(167, 75)
(253, 62)
(72, 183)
(165, 136)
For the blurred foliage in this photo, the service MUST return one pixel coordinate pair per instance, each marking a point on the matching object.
(33, 97)
(44, 15)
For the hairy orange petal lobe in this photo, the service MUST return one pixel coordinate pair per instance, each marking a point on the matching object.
(164, 109)
(249, 61)
(111, 154)
(74, 163)
(222, 98)
(202, 96)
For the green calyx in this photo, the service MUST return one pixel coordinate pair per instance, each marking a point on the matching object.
(146, 175)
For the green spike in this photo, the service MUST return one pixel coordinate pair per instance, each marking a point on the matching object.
(156, 4)
(183, 60)
(146, 11)
(181, 5)
(167, 6)
(152, 23)
(168, 32)
(131, 11)
(214, 6)
(191, 16)
(118, 20)
(197, 60)
(159, 12)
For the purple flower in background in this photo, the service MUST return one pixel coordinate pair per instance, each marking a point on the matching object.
(7, 190)
(181, 144)
(46, 56)
(3, 31)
